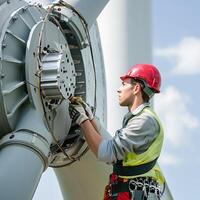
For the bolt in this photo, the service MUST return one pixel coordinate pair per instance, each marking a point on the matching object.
(84, 44)
(4, 45)
(14, 18)
(12, 136)
(24, 9)
(3, 75)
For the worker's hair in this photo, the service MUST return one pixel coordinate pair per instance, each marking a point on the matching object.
(145, 96)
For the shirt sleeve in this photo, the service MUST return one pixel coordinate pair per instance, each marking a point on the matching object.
(136, 137)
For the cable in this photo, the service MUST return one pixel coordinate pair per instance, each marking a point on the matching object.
(49, 11)
(85, 25)
(39, 52)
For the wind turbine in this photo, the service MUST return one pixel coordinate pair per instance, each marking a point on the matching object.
(47, 55)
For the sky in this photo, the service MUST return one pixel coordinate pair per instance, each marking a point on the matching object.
(176, 45)
(176, 51)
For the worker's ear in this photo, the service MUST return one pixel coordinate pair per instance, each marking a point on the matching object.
(137, 88)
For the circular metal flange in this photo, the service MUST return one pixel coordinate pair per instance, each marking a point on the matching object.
(58, 76)
(50, 70)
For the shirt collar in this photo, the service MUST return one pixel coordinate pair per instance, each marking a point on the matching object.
(129, 115)
(140, 108)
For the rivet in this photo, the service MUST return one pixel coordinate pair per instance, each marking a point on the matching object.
(12, 136)
(24, 9)
(3, 75)
(4, 45)
(14, 18)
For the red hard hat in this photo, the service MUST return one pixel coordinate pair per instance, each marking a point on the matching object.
(147, 73)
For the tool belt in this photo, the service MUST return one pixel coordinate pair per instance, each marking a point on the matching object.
(139, 188)
(142, 188)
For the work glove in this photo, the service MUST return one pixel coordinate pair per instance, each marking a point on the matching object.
(79, 101)
(88, 110)
(77, 113)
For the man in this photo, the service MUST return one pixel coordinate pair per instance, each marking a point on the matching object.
(135, 148)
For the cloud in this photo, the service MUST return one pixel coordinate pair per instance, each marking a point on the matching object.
(185, 55)
(169, 159)
(179, 123)
(173, 108)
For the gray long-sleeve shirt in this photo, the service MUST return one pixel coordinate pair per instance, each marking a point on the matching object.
(138, 132)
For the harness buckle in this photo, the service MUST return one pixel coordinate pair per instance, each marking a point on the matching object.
(132, 185)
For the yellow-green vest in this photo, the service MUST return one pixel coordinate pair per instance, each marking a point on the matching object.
(153, 152)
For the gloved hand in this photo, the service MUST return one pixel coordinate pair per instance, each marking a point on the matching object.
(88, 110)
(77, 113)
(79, 101)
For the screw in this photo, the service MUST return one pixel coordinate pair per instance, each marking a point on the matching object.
(14, 18)
(12, 136)
(3, 75)
(24, 9)
(4, 45)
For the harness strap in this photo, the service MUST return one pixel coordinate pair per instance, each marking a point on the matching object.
(138, 195)
(152, 196)
(121, 170)
(120, 187)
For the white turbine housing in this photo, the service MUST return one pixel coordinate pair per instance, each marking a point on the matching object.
(46, 56)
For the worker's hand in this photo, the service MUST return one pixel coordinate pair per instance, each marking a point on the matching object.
(88, 110)
(79, 101)
(77, 113)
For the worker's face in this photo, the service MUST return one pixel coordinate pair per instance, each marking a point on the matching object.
(126, 93)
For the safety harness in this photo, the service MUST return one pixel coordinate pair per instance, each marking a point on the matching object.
(139, 188)
(121, 170)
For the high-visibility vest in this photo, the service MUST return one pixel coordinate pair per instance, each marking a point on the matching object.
(153, 152)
